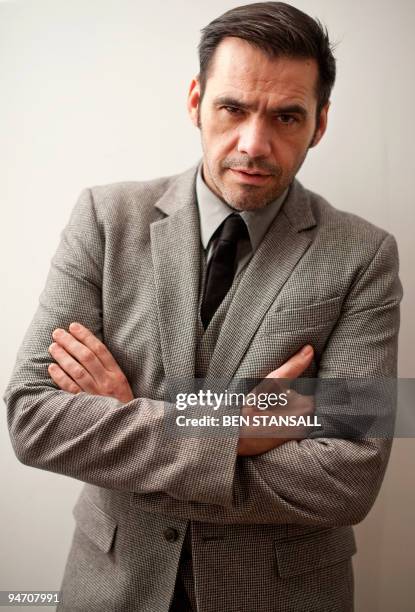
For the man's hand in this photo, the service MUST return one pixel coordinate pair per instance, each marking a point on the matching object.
(298, 405)
(85, 364)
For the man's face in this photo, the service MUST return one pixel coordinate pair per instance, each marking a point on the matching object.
(257, 121)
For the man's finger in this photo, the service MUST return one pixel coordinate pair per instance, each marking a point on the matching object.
(296, 365)
(84, 335)
(72, 368)
(63, 381)
(275, 381)
(83, 355)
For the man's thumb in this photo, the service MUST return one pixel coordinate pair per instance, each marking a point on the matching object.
(295, 365)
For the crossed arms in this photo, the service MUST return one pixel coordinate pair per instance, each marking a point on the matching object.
(109, 443)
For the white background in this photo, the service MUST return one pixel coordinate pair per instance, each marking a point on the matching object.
(94, 91)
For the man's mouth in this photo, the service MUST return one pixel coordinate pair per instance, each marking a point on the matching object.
(250, 171)
(253, 177)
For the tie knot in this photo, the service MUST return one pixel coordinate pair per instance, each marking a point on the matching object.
(233, 229)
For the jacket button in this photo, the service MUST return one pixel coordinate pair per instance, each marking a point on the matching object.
(171, 534)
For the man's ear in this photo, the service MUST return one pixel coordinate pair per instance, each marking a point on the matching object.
(321, 125)
(193, 101)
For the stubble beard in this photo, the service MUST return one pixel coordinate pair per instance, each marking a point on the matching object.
(245, 197)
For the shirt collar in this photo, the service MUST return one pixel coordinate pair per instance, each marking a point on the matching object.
(213, 211)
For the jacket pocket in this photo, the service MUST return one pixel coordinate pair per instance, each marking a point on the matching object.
(304, 317)
(317, 550)
(95, 523)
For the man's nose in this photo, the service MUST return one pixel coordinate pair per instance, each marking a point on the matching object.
(254, 139)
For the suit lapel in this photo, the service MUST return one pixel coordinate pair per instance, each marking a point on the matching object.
(275, 259)
(175, 248)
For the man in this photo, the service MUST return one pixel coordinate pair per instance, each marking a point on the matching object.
(231, 269)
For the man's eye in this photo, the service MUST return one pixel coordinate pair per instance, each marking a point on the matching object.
(232, 110)
(287, 119)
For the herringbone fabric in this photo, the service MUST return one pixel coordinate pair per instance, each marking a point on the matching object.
(269, 533)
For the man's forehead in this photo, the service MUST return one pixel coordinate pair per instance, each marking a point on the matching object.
(239, 68)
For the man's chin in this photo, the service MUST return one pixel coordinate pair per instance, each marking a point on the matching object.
(249, 197)
(248, 200)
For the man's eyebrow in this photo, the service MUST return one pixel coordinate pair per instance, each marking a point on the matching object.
(282, 109)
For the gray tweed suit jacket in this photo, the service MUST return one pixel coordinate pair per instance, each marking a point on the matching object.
(269, 533)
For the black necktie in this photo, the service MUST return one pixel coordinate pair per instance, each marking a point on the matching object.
(221, 267)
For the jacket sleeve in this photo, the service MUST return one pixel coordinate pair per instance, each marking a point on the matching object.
(96, 439)
(321, 481)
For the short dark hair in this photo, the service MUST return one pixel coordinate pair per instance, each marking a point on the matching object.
(278, 29)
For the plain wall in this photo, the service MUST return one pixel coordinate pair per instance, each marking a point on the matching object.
(94, 91)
